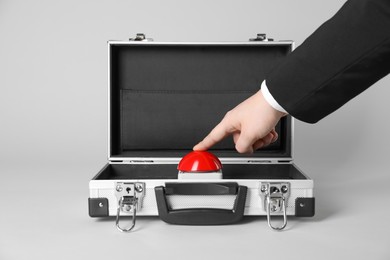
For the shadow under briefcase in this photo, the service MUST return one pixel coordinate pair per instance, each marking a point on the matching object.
(163, 98)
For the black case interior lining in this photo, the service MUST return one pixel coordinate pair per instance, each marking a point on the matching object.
(169, 171)
(166, 98)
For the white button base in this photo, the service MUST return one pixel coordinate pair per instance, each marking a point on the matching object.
(201, 175)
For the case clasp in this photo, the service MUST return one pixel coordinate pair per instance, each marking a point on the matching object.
(274, 196)
(129, 197)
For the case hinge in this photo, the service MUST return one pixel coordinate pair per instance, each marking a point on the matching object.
(268, 161)
(141, 37)
(138, 161)
(274, 196)
(261, 37)
(129, 197)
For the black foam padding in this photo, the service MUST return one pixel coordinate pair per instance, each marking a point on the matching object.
(167, 97)
(169, 171)
(171, 120)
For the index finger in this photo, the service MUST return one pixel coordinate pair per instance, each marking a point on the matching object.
(216, 135)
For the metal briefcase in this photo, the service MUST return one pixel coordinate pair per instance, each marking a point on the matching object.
(164, 97)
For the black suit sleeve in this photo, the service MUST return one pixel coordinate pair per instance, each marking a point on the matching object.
(341, 59)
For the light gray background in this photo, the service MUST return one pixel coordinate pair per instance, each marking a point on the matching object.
(53, 113)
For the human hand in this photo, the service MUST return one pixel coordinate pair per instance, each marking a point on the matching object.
(252, 124)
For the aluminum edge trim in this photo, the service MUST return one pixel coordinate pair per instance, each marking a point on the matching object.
(303, 173)
(292, 120)
(108, 99)
(226, 160)
(114, 42)
(202, 43)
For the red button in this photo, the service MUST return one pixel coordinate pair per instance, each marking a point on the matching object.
(199, 161)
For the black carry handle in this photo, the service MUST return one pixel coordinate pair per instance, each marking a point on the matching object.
(201, 216)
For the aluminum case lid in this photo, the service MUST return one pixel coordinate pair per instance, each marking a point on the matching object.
(164, 97)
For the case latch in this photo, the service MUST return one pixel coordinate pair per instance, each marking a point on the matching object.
(274, 196)
(129, 197)
(261, 37)
(141, 37)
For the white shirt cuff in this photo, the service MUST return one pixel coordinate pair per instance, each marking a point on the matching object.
(270, 99)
